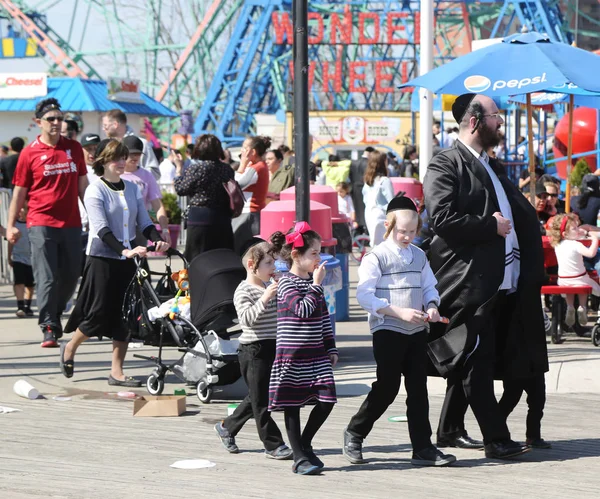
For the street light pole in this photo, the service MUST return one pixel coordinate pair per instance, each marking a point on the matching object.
(425, 96)
(300, 109)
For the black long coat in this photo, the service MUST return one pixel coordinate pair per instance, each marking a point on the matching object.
(467, 257)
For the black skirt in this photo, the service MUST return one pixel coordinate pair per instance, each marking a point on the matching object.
(98, 308)
(207, 229)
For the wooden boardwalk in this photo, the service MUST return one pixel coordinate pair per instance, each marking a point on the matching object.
(92, 447)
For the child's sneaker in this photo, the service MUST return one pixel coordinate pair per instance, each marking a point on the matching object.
(570, 316)
(21, 313)
(282, 453)
(227, 439)
(582, 316)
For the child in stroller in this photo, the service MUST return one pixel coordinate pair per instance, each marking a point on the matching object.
(210, 355)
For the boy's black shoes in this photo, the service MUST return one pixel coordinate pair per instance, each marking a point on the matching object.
(352, 448)
(431, 456)
(505, 449)
(538, 443)
(462, 442)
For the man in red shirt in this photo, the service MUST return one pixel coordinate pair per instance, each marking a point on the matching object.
(51, 174)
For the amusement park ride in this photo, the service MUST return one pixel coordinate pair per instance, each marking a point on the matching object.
(227, 60)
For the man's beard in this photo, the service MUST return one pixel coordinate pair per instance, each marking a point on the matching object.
(489, 137)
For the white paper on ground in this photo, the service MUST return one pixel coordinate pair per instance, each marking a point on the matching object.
(61, 398)
(6, 410)
(193, 464)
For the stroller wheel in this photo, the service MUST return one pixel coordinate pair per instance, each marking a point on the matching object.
(596, 335)
(205, 395)
(155, 385)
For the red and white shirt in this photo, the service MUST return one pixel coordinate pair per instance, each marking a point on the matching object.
(51, 175)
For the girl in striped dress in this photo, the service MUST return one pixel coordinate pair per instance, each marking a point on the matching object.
(306, 353)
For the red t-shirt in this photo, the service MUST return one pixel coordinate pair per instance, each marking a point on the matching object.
(51, 175)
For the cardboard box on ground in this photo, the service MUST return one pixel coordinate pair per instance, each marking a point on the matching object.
(161, 406)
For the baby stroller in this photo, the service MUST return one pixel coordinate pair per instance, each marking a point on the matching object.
(210, 355)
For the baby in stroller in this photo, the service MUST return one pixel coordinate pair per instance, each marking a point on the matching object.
(210, 355)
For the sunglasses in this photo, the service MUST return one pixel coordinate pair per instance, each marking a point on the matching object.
(52, 119)
(552, 195)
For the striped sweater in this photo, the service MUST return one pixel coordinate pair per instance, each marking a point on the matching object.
(258, 322)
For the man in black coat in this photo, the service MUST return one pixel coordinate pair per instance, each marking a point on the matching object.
(486, 254)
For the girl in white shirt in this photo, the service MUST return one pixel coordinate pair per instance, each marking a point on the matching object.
(377, 193)
(564, 236)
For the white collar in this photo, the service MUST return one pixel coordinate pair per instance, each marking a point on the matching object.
(481, 157)
(405, 253)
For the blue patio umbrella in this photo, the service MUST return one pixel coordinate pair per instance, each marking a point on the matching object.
(521, 64)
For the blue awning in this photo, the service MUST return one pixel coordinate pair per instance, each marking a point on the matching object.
(75, 94)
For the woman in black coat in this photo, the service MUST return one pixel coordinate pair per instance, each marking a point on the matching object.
(209, 212)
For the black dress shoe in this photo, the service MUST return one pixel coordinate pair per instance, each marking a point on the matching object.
(430, 456)
(505, 449)
(462, 442)
(538, 443)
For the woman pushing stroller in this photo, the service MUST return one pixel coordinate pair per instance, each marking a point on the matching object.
(115, 209)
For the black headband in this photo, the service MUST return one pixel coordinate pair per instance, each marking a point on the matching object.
(48, 107)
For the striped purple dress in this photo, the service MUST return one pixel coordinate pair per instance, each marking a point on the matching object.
(302, 372)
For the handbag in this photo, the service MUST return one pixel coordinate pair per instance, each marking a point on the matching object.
(236, 197)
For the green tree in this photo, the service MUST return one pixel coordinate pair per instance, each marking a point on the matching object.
(581, 168)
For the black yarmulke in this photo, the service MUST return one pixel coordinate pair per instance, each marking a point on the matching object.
(248, 244)
(401, 203)
(460, 106)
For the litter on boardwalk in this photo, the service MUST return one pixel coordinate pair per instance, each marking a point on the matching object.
(193, 464)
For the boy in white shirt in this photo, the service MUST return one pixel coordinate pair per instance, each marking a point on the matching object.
(397, 287)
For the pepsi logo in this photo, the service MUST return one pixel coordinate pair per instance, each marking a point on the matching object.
(477, 83)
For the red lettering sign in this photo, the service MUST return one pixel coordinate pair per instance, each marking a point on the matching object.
(363, 38)
(284, 30)
(354, 75)
(335, 78)
(318, 38)
(381, 76)
(345, 28)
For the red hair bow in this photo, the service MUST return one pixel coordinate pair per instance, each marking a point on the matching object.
(295, 237)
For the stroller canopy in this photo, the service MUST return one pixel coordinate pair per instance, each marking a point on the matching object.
(214, 277)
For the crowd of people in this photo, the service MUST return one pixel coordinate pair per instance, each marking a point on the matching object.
(465, 305)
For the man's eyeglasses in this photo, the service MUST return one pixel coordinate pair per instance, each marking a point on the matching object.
(52, 119)
(495, 115)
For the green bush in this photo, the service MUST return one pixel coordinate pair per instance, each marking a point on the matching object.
(581, 168)
(172, 208)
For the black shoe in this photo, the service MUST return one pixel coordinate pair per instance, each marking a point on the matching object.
(505, 449)
(312, 457)
(431, 456)
(462, 442)
(29, 312)
(49, 340)
(352, 448)
(538, 443)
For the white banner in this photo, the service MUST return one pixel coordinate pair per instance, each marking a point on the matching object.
(23, 85)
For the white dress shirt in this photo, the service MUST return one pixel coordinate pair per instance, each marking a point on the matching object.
(369, 274)
(512, 259)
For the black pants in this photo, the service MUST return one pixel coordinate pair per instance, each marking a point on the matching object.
(398, 354)
(473, 384)
(256, 360)
(535, 388)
